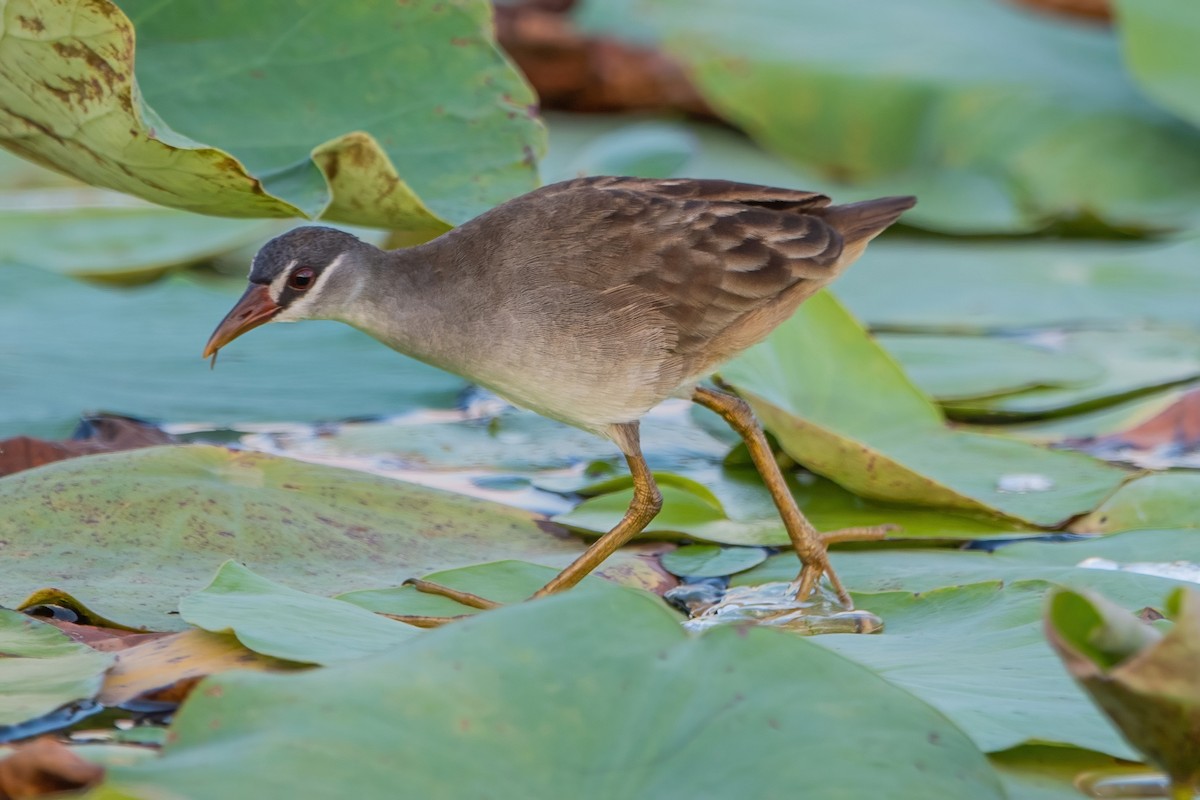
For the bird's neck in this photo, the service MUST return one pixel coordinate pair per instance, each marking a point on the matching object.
(410, 301)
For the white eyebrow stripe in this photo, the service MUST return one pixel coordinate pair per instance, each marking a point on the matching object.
(296, 311)
(276, 287)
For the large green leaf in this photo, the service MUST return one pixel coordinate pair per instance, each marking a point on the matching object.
(840, 406)
(1135, 363)
(361, 111)
(62, 342)
(41, 668)
(129, 533)
(1064, 563)
(928, 285)
(975, 101)
(1165, 500)
(977, 654)
(963, 367)
(276, 620)
(594, 694)
(1158, 39)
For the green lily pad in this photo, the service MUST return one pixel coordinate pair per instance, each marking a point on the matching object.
(1158, 41)
(710, 561)
(592, 694)
(1033, 117)
(962, 367)
(290, 126)
(128, 533)
(731, 506)
(42, 668)
(971, 286)
(841, 407)
(1166, 500)
(924, 570)
(152, 336)
(977, 654)
(1135, 363)
(275, 620)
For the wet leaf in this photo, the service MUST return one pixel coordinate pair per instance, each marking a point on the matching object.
(1135, 362)
(129, 533)
(536, 700)
(1146, 682)
(1064, 563)
(840, 406)
(42, 669)
(1164, 500)
(961, 367)
(279, 621)
(297, 137)
(1030, 118)
(970, 286)
(977, 654)
(710, 561)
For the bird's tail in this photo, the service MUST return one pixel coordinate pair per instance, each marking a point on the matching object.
(862, 222)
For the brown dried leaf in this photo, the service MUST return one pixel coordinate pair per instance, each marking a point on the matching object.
(167, 667)
(42, 767)
(108, 433)
(1147, 684)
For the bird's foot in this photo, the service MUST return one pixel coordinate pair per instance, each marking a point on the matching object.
(817, 564)
(775, 605)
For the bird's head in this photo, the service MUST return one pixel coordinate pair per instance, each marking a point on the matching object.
(307, 273)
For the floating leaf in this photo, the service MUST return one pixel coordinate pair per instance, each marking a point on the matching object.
(977, 654)
(971, 286)
(842, 408)
(1135, 363)
(279, 621)
(710, 561)
(129, 533)
(1166, 500)
(536, 700)
(961, 367)
(1064, 563)
(42, 669)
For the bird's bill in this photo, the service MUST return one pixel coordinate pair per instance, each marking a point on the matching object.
(254, 308)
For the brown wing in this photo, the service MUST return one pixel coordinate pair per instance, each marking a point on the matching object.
(723, 262)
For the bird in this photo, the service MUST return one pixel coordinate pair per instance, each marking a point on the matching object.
(590, 301)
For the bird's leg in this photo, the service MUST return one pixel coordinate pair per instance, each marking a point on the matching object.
(647, 501)
(810, 545)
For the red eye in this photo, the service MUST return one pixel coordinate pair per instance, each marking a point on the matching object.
(301, 279)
